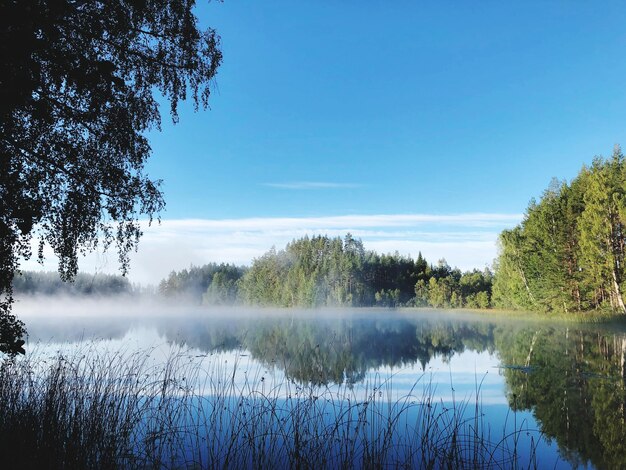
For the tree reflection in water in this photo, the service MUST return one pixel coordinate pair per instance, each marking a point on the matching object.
(575, 386)
(572, 378)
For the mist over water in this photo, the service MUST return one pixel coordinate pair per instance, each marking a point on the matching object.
(324, 347)
(538, 374)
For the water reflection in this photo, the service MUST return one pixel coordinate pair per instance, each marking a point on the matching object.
(575, 386)
(326, 349)
(571, 378)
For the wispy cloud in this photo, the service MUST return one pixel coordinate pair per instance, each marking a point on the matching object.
(464, 240)
(311, 185)
(474, 219)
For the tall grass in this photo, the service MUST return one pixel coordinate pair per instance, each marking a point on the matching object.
(116, 410)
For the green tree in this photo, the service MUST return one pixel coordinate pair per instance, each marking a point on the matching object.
(511, 287)
(475, 288)
(324, 271)
(421, 293)
(224, 287)
(548, 257)
(602, 238)
(211, 283)
(569, 251)
(537, 266)
(77, 94)
(49, 283)
(437, 293)
(266, 282)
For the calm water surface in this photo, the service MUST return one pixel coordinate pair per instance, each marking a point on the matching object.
(564, 383)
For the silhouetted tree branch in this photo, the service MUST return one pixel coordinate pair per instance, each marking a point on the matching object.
(77, 93)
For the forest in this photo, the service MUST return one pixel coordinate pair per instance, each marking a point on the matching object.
(310, 272)
(50, 283)
(321, 271)
(567, 255)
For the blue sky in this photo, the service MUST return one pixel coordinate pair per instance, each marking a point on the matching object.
(329, 113)
(426, 107)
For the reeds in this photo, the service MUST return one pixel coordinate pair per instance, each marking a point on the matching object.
(117, 410)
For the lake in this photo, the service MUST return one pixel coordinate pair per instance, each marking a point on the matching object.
(357, 388)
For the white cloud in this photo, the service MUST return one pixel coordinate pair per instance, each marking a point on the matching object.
(464, 240)
(304, 185)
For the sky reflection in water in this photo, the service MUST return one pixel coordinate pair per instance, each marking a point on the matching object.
(551, 373)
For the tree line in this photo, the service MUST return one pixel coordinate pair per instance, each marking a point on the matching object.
(321, 271)
(50, 283)
(209, 284)
(568, 253)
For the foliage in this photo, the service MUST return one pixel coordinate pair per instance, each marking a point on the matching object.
(77, 95)
(574, 382)
(49, 283)
(568, 253)
(324, 271)
(210, 284)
